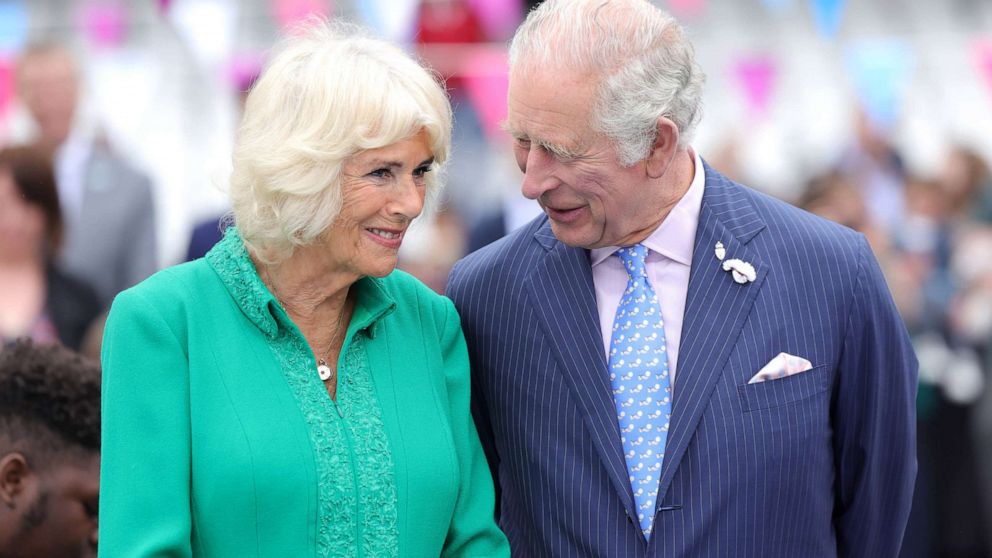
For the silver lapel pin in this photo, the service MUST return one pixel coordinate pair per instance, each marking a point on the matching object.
(742, 271)
(720, 251)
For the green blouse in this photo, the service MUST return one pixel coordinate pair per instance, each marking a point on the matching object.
(219, 439)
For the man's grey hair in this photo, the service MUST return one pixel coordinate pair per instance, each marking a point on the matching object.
(640, 54)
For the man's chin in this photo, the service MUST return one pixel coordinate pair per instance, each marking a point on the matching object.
(574, 236)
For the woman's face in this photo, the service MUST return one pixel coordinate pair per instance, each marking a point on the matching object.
(382, 191)
(22, 224)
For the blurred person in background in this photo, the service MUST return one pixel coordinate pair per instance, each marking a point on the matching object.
(834, 197)
(49, 452)
(37, 298)
(107, 205)
(967, 181)
(965, 435)
(433, 247)
(291, 394)
(208, 232)
(669, 363)
(875, 167)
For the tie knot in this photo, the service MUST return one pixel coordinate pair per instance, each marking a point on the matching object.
(633, 260)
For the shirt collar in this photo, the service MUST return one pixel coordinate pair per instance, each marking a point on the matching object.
(230, 260)
(676, 236)
(77, 146)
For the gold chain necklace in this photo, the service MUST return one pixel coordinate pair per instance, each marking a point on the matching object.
(324, 371)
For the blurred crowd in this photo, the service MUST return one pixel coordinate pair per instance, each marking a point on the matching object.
(933, 239)
(78, 225)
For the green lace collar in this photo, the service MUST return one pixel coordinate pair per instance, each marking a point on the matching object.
(230, 259)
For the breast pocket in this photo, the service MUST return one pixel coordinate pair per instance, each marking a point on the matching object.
(783, 391)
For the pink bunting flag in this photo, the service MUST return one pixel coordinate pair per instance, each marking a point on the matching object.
(756, 75)
(486, 81)
(687, 8)
(498, 17)
(163, 6)
(983, 59)
(243, 69)
(104, 23)
(6, 86)
(291, 12)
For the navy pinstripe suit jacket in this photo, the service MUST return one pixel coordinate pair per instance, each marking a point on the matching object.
(820, 463)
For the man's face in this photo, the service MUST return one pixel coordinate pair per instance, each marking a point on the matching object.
(573, 171)
(56, 514)
(48, 87)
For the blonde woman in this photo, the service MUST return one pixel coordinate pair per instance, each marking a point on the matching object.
(291, 394)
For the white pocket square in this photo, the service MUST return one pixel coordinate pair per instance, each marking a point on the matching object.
(781, 366)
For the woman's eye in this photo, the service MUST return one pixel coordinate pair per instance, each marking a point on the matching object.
(422, 171)
(380, 173)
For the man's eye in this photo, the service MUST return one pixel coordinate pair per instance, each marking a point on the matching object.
(558, 153)
(524, 143)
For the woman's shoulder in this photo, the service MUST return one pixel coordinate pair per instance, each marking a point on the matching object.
(416, 302)
(406, 289)
(172, 285)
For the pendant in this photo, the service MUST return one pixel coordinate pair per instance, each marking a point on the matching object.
(323, 370)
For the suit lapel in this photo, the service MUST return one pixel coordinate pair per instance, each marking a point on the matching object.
(564, 299)
(716, 309)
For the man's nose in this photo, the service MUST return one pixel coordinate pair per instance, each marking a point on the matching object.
(538, 175)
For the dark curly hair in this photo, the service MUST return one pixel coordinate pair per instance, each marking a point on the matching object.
(49, 402)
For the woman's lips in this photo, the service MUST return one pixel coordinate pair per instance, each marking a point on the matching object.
(390, 238)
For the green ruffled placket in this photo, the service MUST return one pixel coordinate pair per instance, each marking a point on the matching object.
(354, 464)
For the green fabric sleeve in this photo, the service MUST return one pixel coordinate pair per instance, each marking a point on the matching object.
(145, 469)
(473, 531)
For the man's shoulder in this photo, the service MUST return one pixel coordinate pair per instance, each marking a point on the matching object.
(509, 256)
(788, 228)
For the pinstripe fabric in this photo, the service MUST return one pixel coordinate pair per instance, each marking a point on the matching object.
(820, 463)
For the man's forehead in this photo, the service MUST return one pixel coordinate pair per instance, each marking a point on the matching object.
(552, 124)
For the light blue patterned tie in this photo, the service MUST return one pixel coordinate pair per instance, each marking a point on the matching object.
(641, 385)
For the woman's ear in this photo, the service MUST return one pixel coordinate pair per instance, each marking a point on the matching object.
(666, 142)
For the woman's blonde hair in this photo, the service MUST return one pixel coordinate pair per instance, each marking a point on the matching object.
(329, 92)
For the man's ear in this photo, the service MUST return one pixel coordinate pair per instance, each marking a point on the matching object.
(666, 143)
(14, 476)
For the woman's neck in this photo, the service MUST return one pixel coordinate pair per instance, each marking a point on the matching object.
(312, 292)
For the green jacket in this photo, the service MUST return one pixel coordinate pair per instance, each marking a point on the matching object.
(220, 440)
